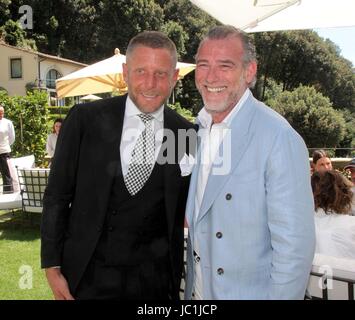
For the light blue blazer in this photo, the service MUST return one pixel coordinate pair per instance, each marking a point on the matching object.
(255, 227)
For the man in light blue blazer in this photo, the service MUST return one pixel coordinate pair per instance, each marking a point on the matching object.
(250, 204)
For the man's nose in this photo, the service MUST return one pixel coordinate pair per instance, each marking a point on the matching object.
(150, 81)
(212, 74)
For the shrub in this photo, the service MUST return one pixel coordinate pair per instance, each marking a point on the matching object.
(29, 116)
(182, 111)
(311, 114)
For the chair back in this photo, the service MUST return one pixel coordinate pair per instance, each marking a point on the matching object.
(33, 182)
(332, 278)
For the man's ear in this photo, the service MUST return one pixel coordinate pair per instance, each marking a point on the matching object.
(125, 71)
(250, 71)
(176, 75)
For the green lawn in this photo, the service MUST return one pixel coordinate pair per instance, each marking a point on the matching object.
(21, 277)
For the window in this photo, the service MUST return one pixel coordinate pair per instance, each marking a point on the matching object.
(52, 75)
(16, 68)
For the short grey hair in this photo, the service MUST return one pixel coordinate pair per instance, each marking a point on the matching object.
(154, 40)
(225, 31)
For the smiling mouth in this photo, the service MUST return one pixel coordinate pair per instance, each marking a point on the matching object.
(149, 96)
(215, 89)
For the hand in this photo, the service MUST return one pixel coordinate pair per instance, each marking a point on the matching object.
(58, 284)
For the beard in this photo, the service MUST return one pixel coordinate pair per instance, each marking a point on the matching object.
(228, 102)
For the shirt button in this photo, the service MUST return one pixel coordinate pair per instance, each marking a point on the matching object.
(219, 235)
(220, 271)
(228, 196)
(114, 212)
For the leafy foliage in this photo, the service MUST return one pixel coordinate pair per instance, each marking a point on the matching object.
(89, 30)
(302, 57)
(29, 116)
(12, 33)
(311, 115)
(187, 114)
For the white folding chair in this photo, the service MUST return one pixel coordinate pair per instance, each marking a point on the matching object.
(332, 278)
(33, 183)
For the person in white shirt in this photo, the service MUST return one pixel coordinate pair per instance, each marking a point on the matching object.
(113, 210)
(335, 228)
(7, 138)
(52, 138)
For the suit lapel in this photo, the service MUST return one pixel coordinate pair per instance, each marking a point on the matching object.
(108, 164)
(190, 206)
(232, 151)
(171, 170)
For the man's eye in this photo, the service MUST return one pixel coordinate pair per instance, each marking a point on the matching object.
(202, 65)
(226, 67)
(160, 74)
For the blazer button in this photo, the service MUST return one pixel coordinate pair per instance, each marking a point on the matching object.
(220, 271)
(114, 212)
(228, 196)
(99, 229)
(219, 235)
(110, 228)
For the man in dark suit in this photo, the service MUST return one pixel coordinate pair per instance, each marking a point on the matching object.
(113, 215)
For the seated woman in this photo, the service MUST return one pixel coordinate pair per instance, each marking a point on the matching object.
(321, 161)
(52, 138)
(335, 228)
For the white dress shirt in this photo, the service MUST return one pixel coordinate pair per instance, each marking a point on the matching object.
(7, 135)
(133, 127)
(212, 135)
(51, 143)
(335, 234)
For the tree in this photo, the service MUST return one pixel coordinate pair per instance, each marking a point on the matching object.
(302, 57)
(14, 35)
(4, 11)
(311, 115)
(349, 137)
(194, 22)
(178, 35)
(120, 20)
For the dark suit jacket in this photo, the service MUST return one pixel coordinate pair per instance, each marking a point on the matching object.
(76, 199)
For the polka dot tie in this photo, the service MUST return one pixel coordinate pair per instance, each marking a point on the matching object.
(142, 159)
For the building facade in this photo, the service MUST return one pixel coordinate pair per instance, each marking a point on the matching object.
(22, 68)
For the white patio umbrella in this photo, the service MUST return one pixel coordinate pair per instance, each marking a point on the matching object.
(271, 15)
(103, 76)
(90, 97)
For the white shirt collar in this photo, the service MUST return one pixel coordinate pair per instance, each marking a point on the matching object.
(132, 110)
(205, 118)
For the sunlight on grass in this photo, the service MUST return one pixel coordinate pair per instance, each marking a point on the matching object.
(21, 277)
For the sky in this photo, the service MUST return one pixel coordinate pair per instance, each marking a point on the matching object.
(344, 37)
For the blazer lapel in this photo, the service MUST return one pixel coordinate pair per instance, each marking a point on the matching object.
(109, 163)
(232, 152)
(172, 179)
(190, 205)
